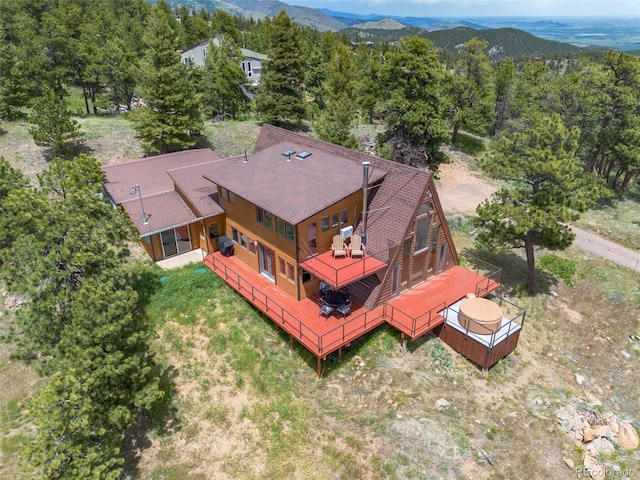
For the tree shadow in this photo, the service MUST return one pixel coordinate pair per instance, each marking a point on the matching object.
(513, 277)
(162, 420)
(146, 282)
(203, 142)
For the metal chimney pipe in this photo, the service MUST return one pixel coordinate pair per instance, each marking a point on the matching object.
(365, 194)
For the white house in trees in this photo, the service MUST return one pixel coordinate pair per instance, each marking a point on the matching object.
(251, 63)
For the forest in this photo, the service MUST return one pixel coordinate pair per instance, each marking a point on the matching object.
(564, 133)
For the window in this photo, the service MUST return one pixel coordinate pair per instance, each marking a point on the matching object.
(283, 267)
(280, 226)
(234, 235)
(232, 198)
(289, 233)
(291, 272)
(334, 220)
(422, 233)
(224, 194)
(268, 220)
(260, 215)
(325, 224)
(213, 230)
(252, 246)
(344, 217)
(243, 241)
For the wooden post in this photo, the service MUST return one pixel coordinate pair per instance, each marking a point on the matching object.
(404, 340)
(319, 367)
(340, 353)
(290, 343)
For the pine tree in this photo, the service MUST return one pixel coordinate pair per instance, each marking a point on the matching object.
(223, 80)
(173, 117)
(336, 120)
(53, 127)
(547, 188)
(415, 86)
(473, 93)
(280, 98)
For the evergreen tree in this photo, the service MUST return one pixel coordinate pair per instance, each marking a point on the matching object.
(503, 81)
(173, 119)
(280, 97)
(547, 189)
(53, 127)
(54, 238)
(615, 151)
(473, 94)
(415, 86)
(13, 82)
(223, 80)
(336, 120)
(105, 376)
(367, 89)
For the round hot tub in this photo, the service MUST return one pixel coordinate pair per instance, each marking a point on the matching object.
(479, 315)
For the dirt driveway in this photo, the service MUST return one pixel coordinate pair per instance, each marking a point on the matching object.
(461, 190)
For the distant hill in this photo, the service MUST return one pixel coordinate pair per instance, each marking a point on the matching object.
(384, 24)
(503, 42)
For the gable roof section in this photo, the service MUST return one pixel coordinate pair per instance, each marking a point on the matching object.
(202, 194)
(288, 187)
(163, 206)
(392, 203)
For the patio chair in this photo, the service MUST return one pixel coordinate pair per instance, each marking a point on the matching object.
(339, 250)
(344, 310)
(357, 248)
(326, 310)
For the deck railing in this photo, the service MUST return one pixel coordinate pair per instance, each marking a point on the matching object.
(490, 272)
(423, 322)
(334, 264)
(333, 338)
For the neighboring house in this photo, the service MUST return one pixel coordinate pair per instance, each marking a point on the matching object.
(282, 208)
(251, 63)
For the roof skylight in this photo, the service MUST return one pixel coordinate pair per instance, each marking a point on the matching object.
(303, 155)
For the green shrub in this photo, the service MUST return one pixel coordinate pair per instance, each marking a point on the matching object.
(560, 267)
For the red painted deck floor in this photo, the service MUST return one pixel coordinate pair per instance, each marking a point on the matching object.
(413, 312)
(341, 271)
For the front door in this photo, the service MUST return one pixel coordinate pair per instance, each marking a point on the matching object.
(267, 258)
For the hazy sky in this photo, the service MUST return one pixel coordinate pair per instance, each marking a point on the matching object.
(480, 8)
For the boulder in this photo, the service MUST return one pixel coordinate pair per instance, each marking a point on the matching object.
(593, 467)
(627, 436)
(603, 431)
(442, 404)
(600, 446)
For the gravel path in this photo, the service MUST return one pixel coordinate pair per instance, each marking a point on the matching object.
(607, 249)
(460, 191)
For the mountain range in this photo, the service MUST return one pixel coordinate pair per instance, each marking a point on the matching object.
(621, 34)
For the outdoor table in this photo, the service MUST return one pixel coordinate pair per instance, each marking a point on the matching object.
(334, 298)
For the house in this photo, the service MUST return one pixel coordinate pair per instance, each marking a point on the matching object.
(251, 63)
(283, 207)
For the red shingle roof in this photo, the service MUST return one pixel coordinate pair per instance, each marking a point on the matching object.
(163, 206)
(289, 187)
(392, 204)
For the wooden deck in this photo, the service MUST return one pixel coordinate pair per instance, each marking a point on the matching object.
(301, 319)
(414, 312)
(341, 271)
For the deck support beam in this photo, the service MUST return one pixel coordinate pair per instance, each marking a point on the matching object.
(319, 367)
(340, 353)
(404, 340)
(290, 343)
